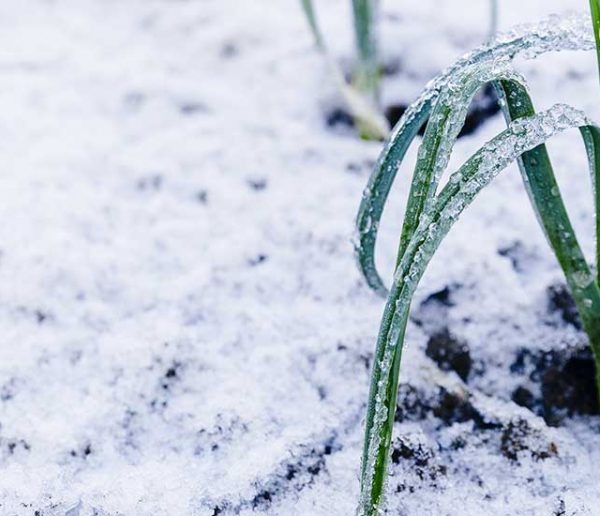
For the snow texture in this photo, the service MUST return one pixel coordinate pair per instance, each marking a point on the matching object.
(184, 329)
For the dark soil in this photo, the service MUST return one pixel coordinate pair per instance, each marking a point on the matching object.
(518, 437)
(560, 301)
(559, 383)
(450, 353)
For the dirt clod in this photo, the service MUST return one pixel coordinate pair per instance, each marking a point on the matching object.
(560, 383)
(450, 353)
(561, 301)
(569, 387)
(519, 437)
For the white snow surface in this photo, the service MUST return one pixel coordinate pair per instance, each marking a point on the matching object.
(184, 328)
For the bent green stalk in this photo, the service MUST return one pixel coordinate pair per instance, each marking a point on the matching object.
(530, 42)
(429, 216)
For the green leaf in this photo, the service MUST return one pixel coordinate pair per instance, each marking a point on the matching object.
(549, 35)
(430, 215)
(595, 10)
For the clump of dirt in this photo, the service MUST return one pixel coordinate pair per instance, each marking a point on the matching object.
(569, 386)
(453, 407)
(559, 383)
(560, 301)
(450, 353)
(447, 406)
(518, 438)
(554, 384)
(339, 118)
(520, 255)
(423, 463)
(296, 473)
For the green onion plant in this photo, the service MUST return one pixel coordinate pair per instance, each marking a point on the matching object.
(367, 73)
(431, 211)
(362, 95)
(595, 10)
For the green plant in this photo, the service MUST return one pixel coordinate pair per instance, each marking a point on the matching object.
(361, 96)
(430, 214)
(367, 73)
(595, 10)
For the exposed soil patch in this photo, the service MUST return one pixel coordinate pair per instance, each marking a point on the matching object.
(423, 461)
(561, 302)
(449, 407)
(518, 437)
(450, 353)
(559, 383)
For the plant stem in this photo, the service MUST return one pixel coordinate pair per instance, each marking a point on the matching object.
(309, 12)
(593, 326)
(371, 124)
(595, 9)
(366, 75)
(439, 215)
(595, 345)
(427, 223)
(535, 165)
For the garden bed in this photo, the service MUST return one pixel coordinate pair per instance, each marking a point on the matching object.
(185, 330)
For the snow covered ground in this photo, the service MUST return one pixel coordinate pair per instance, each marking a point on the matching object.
(183, 327)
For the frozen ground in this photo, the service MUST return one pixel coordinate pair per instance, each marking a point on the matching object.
(184, 330)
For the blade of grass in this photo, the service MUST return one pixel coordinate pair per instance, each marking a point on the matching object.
(370, 123)
(544, 194)
(545, 197)
(433, 217)
(447, 118)
(378, 188)
(367, 73)
(309, 12)
(566, 33)
(595, 11)
(521, 137)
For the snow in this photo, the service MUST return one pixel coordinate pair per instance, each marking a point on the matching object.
(184, 329)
